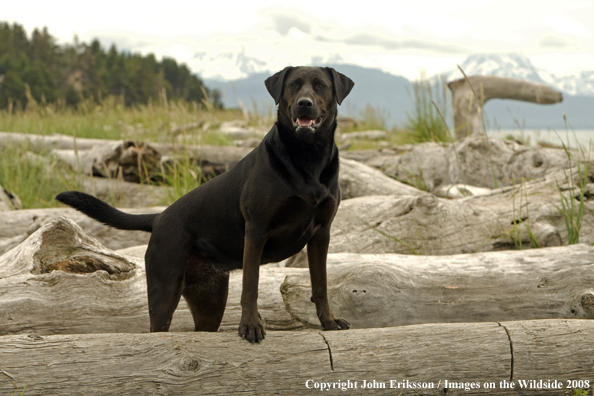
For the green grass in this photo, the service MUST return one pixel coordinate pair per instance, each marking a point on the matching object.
(22, 392)
(110, 119)
(428, 121)
(183, 175)
(579, 392)
(571, 210)
(34, 175)
(521, 219)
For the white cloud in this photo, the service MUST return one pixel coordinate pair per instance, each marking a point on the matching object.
(399, 37)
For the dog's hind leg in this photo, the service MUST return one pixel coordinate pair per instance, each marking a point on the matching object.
(165, 272)
(205, 291)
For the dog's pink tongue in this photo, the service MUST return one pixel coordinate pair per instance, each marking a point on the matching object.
(303, 121)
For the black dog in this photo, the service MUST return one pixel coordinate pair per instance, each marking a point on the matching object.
(279, 198)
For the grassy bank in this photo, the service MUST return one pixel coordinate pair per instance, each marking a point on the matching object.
(35, 176)
(110, 119)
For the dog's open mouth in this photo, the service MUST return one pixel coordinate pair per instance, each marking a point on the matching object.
(306, 122)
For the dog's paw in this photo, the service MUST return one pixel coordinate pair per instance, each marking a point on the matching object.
(253, 331)
(336, 324)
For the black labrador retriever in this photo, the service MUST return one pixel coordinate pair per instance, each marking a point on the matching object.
(279, 198)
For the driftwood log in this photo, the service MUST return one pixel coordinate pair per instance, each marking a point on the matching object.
(474, 161)
(18, 225)
(507, 218)
(9, 201)
(468, 99)
(213, 154)
(358, 180)
(474, 358)
(123, 194)
(60, 281)
(130, 160)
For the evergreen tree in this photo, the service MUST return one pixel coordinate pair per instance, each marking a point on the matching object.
(73, 72)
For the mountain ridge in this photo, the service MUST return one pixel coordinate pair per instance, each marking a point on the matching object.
(393, 95)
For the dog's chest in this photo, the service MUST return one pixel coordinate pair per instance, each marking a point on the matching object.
(313, 194)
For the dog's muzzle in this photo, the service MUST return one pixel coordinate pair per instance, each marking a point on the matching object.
(303, 123)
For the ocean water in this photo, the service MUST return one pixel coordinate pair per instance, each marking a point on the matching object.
(572, 138)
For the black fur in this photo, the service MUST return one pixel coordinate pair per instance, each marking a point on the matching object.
(278, 199)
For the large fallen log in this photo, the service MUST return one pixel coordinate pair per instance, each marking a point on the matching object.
(472, 358)
(123, 194)
(358, 180)
(470, 95)
(18, 225)
(60, 281)
(380, 295)
(213, 154)
(474, 160)
(508, 218)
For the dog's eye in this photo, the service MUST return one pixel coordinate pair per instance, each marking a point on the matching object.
(321, 86)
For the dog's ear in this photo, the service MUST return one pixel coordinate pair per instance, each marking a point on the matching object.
(275, 83)
(342, 85)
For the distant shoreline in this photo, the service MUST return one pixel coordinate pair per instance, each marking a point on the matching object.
(585, 137)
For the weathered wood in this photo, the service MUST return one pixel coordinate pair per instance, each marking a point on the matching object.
(213, 154)
(503, 219)
(468, 99)
(507, 261)
(424, 356)
(9, 201)
(380, 295)
(397, 224)
(543, 350)
(357, 180)
(125, 194)
(60, 281)
(17, 225)
(474, 160)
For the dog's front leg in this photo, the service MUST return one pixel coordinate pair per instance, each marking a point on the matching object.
(317, 253)
(250, 326)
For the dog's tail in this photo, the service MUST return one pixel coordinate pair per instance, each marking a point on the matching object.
(100, 211)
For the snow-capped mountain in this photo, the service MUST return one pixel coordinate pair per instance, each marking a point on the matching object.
(519, 66)
(228, 64)
(578, 83)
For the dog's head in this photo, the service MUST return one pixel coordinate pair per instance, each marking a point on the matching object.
(308, 96)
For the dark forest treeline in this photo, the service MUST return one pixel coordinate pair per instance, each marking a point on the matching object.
(70, 73)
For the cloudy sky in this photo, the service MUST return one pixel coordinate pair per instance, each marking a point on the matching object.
(229, 39)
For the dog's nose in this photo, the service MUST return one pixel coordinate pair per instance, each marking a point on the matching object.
(304, 102)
